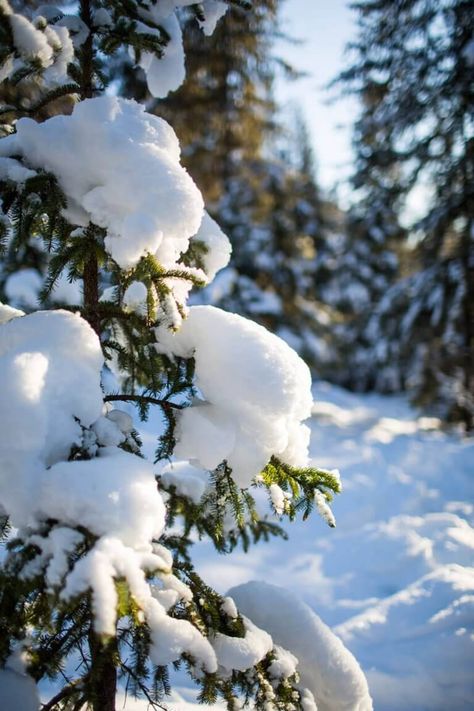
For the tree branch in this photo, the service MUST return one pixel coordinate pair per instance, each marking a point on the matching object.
(150, 400)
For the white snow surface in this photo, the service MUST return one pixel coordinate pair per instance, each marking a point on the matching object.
(325, 666)
(137, 191)
(189, 481)
(242, 653)
(213, 11)
(256, 392)
(49, 378)
(18, 692)
(167, 73)
(22, 288)
(37, 41)
(217, 245)
(8, 312)
(394, 580)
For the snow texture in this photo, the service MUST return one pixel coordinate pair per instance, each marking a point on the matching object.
(138, 191)
(394, 579)
(218, 247)
(166, 73)
(256, 393)
(325, 666)
(8, 312)
(188, 481)
(41, 43)
(242, 653)
(22, 288)
(17, 692)
(49, 380)
(213, 11)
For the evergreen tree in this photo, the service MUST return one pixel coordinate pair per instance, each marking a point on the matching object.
(264, 197)
(281, 261)
(96, 587)
(417, 56)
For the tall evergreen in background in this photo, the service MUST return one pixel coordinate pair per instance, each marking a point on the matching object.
(260, 186)
(417, 57)
(366, 256)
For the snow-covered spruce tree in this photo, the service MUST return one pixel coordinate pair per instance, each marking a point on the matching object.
(277, 268)
(96, 588)
(416, 58)
(366, 255)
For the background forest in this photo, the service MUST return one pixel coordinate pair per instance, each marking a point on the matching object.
(376, 298)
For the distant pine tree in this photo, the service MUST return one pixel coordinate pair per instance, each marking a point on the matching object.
(264, 196)
(417, 57)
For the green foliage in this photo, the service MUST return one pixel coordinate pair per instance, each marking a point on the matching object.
(226, 514)
(301, 485)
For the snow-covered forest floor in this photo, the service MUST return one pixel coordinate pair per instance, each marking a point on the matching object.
(393, 579)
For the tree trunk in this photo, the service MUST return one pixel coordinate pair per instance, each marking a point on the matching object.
(103, 677)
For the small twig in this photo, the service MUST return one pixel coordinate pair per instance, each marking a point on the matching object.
(64, 693)
(143, 689)
(139, 398)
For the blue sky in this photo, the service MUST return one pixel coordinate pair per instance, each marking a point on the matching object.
(324, 26)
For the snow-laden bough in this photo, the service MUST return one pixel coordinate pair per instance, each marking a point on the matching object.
(256, 393)
(50, 364)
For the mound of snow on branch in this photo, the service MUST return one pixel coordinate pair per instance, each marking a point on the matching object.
(256, 392)
(167, 73)
(37, 42)
(325, 666)
(50, 380)
(137, 191)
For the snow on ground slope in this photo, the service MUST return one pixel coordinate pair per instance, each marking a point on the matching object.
(394, 579)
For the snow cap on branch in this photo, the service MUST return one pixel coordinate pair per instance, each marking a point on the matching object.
(256, 391)
(137, 191)
(326, 667)
(50, 381)
(167, 73)
(37, 42)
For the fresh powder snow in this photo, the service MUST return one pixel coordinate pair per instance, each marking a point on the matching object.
(138, 191)
(256, 392)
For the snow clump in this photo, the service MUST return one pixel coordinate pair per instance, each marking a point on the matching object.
(167, 73)
(326, 668)
(242, 653)
(39, 42)
(256, 391)
(188, 481)
(138, 191)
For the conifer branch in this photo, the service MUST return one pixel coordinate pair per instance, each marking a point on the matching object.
(144, 398)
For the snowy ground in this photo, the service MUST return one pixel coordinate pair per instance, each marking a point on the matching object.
(393, 579)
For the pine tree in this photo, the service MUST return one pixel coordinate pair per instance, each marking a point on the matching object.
(264, 197)
(417, 56)
(96, 587)
(281, 263)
